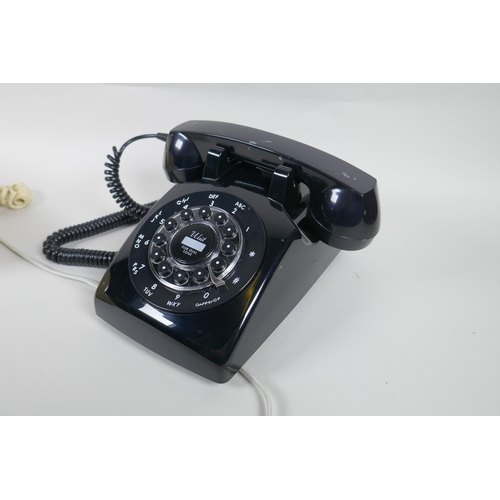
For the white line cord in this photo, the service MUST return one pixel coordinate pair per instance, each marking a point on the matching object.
(90, 282)
(262, 390)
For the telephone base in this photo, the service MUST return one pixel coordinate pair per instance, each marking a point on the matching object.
(217, 342)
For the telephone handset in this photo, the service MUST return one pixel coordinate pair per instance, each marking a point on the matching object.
(217, 263)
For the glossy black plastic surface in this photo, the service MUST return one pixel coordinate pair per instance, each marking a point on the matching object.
(182, 152)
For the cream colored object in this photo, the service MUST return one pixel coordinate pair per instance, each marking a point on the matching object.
(16, 196)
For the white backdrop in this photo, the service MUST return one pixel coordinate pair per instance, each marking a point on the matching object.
(407, 326)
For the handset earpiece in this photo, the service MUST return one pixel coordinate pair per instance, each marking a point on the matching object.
(182, 160)
(342, 217)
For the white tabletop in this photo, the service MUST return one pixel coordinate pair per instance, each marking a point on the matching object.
(407, 326)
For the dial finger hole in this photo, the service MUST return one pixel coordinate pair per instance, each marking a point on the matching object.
(229, 248)
(200, 275)
(181, 277)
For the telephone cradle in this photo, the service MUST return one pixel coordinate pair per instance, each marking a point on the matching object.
(225, 255)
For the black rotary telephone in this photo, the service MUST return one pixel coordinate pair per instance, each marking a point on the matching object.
(216, 264)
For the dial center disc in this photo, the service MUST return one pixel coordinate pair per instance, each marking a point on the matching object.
(193, 243)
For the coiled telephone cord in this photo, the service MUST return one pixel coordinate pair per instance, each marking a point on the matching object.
(132, 212)
(16, 196)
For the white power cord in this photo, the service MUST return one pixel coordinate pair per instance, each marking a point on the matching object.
(16, 197)
(90, 282)
(262, 390)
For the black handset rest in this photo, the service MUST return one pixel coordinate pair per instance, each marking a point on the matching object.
(344, 207)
